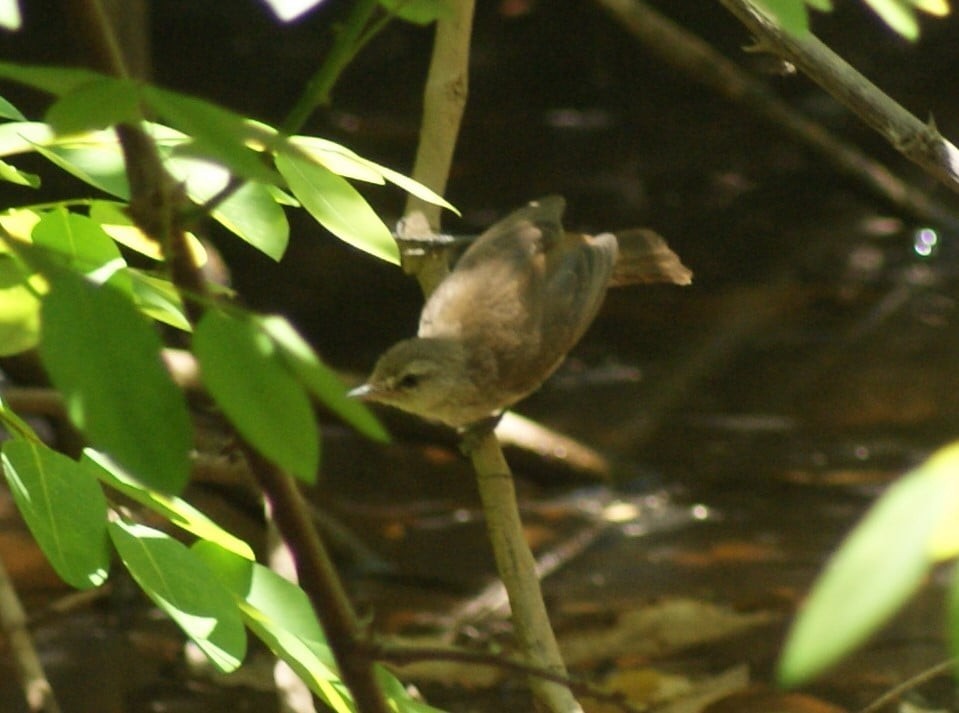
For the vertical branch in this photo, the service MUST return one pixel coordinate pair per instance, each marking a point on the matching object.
(444, 100)
(13, 625)
(443, 105)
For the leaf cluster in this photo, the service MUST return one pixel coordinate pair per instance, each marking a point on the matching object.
(68, 290)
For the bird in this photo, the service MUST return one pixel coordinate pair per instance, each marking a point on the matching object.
(503, 320)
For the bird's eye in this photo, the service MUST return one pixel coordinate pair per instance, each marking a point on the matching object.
(409, 381)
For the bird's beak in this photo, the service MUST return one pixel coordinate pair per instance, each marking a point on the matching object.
(361, 392)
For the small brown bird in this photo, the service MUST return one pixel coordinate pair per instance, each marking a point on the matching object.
(503, 320)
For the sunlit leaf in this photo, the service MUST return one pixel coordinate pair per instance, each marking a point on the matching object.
(344, 162)
(64, 509)
(290, 10)
(81, 244)
(877, 568)
(939, 8)
(251, 212)
(319, 379)
(159, 298)
(181, 584)
(337, 206)
(19, 308)
(216, 132)
(176, 510)
(243, 371)
(899, 15)
(10, 15)
(104, 356)
(95, 105)
(12, 174)
(280, 614)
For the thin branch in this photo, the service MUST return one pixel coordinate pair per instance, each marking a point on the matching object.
(680, 48)
(919, 142)
(349, 39)
(443, 104)
(400, 654)
(947, 666)
(13, 623)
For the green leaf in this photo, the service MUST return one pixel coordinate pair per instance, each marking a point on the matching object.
(12, 174)
(181, 584)
(9, 111)
(159, 299)
(217, 133)
(251, 213)
(344, 162)
(337, 206)
(898, 15)
(104, 356)
(100, 166)
(21, 136)
(321, 381)
(19, 308)
(10, 15)
(95, 105)
(280, 614)
(790, 15)
(64, 509)
(878, 567)
(419, 12)
(82, 245)
(53, 80)
(176, 510)
(245, 374)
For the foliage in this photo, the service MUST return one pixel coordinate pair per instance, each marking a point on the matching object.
(68, 290)
(912, 527)
(900, 15)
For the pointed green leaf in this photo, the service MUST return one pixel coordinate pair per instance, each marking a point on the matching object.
(321, 381)
(19, 308)
(9, 111)
(216, 132)
(176, 510)
(82, 245)
(899, 16)
(251, 213)
(12, 174)
(245, 374)
(104, 356)
(54, 80)
(10, 15)
(878, 567)
(791, 15)
(181, 584)
(337, 206)
(64, 509)
(95, 105)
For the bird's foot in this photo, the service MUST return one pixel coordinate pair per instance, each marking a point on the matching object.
(471, 435)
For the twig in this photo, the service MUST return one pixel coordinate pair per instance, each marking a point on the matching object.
(401, 654)
(919, 142)
(930, 673)
(698, 60)
(13, 620)
(444, 100)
